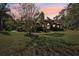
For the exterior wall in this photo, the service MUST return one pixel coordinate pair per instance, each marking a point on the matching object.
(52, 24)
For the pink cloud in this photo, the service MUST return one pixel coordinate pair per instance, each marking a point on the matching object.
(52, 10)
(15, 12)
(49, 11)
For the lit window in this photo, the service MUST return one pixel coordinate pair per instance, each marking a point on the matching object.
(53, 25)
(48, 24)
(58, 26)
(48, 27)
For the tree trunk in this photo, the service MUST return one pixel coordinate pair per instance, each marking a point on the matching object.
(1, 25)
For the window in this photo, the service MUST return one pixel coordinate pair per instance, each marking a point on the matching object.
(48, 26)
(53, 25)
(58, 26)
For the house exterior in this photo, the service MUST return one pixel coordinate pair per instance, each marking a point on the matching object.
(48, 25)
(52, 25)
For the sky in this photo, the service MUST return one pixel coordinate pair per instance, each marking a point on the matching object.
(50, 9)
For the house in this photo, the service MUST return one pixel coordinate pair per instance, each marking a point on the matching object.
(51, 25)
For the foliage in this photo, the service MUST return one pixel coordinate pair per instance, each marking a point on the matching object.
(4, 15)
(20, 26)
(8, 24)
(28, 13)
(71, 19)
(39, 22)
(73, 14)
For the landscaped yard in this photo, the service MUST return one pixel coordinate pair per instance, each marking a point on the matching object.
(50, 43)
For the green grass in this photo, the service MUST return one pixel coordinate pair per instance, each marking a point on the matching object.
(39, 44)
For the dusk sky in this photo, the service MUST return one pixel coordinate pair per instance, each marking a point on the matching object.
(50, 9)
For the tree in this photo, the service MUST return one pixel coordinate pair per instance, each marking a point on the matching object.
(3, 14)
(28, 12)
(8, 24)
(39, 22)
(71, 19)
(70, 16)
(42, 16)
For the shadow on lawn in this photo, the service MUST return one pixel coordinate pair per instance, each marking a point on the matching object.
(32, 36)
(50, 45)
(5, 33)
(56, 34)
